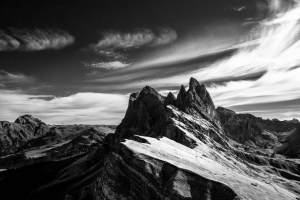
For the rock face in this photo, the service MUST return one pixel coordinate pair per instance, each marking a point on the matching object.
(14, 135)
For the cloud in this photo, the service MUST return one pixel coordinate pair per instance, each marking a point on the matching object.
(34, 40)
(89, 108)
(7, 78)
(134, 39)
(106, 65)
(38, 39)
(113, 55)
(165, 36)
(112, 48)
(7, 42)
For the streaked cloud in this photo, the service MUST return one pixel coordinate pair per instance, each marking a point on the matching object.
(106, 65)
(88, 108)
(113, 46)
(134, 39)
(165, 36)
(7, 78)
(38, 39)
(112, 55)
(34, 40)
(7, 42)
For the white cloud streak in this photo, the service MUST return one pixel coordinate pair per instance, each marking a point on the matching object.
(135, 39)
(106, 65)
(89, 108)
(34, 40)
(7, 42)
(9, 78)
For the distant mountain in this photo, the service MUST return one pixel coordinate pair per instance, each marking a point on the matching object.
(255, 131)
(85, 141)
(171, 148)
(15, 135)
(290, 144)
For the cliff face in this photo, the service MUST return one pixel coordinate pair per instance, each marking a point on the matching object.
(14, 135)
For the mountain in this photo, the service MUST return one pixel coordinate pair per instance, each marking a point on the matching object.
(290, 144)
(14, 135)
(271, 135)
(171, 148)
(85, 141)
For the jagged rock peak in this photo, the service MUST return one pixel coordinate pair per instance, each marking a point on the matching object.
(181, 98)
(134, 96)
(149, 90)
(193, 84)
(170, 100)
(200, 90)
(196, 101)
(182, 92)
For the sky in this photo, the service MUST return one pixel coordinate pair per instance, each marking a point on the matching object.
(76, 62)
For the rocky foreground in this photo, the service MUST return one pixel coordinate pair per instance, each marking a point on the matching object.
(173, 148)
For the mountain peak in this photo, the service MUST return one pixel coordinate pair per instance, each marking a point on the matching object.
(193, 83)
(170, 100)
(32, 124)
(196, 100)
(25, 119)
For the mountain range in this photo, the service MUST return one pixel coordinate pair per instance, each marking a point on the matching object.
(165, 148)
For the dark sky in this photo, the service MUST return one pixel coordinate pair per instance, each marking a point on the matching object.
(76, 61)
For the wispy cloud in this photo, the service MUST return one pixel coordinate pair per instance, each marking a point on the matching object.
(110, 54)
(7, 42)
(165, 36)
(106, 65)
(38, 39)
(134, 39)
(7, 78)
(89, 108)
(34, 40)
(112, 48)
